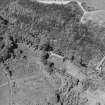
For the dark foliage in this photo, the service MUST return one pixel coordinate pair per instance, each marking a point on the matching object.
(46, 47)
(3, 25)
(2, 43)
(58, 23)
(8, 51)
(44, 57)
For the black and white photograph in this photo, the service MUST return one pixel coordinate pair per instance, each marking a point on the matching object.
(52, 52)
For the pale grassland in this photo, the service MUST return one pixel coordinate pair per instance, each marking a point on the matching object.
(95, 16)
(98, 4)
(4, 95)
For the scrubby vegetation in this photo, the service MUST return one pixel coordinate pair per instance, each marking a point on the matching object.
(36, 23)
(29, 32)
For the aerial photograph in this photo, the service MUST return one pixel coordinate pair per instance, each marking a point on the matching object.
(52, 52)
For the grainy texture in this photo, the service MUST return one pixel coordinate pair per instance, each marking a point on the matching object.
(48, 56)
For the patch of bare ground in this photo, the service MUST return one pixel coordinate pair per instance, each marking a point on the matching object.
(95, 16)
(97, 4)
(3, 79)
(4, 95)
(37, 90)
